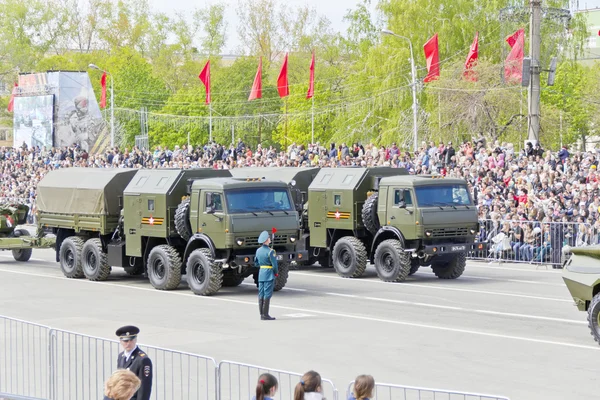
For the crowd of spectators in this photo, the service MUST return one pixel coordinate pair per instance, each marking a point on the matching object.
(531, 202)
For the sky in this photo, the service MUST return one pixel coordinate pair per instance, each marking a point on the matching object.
(334, 10)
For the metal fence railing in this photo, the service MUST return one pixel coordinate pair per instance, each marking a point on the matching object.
(24, 358)
(83, 363)
(535, 242)
(41, 363)
(237, 381)
(384, 391)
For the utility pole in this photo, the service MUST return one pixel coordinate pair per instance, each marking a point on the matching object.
(534, 82)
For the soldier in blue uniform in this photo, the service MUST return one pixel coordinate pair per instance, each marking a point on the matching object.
(135, 360)
(266, 260)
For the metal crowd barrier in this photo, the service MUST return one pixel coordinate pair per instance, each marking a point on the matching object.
(237, 381)
(385, 391)
(25, 367)
(543, 245)
(83, 363)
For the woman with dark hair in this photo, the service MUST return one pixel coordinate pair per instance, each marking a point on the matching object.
(309, 387)
(266, 387)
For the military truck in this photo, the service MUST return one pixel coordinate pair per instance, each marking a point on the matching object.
(581, 274)
(18, 240)
(397, 221)
(165, 223)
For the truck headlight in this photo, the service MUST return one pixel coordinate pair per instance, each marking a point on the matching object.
(292, 239)
(239, 241)
(427, 233)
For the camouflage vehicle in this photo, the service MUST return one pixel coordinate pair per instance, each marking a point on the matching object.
(398, 222)
(581, 274)
(19, 240)
(165, 223)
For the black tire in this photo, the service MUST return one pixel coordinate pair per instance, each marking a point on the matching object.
(594, 318)
(182, 220)
(232, 280)
(70, 257)
(451, 269)
(204, 276)
(414, 266)
(94, 261)
(22, 254)
(392, 263)
(164, 267)
(369, 214)
(349, 257)
(136, 270)
(283, 271)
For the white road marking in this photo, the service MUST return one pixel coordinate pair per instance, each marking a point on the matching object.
(501, 279)
(285, 288)
(436, 287)
(320, 312)
(477, 265)
(21, 262)
(298, 315)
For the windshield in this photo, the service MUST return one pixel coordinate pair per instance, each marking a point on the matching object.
(443, 195)
(260, 199)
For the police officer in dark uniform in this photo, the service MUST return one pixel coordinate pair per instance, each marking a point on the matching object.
(266, 260)
(135, 360)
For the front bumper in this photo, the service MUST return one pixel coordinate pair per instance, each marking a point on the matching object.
(284, 256)
(453, 248)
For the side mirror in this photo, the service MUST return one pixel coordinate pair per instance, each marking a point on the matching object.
(402, 204)
(210, 210)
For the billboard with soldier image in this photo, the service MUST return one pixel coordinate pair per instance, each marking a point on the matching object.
(33, 116)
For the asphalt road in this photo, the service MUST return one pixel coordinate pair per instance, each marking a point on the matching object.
(503, 329)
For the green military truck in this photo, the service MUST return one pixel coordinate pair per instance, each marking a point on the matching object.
(165, 223)
(581, 274)
(18, 240)
(397, 221)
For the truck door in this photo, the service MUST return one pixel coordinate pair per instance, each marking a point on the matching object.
(318, 218)
(211, 214)
(401, 211)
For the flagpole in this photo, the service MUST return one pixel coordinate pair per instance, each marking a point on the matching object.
(286, 122)
(313, 120)
(210, 122)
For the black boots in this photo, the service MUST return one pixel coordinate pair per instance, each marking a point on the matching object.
(265, 310)
(261, 306)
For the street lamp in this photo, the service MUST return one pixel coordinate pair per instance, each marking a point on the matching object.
(414, 85)
(112, 103)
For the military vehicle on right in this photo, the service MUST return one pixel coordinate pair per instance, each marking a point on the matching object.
(581, 274)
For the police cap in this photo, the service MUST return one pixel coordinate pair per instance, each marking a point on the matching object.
(263, 237)
(128, 332)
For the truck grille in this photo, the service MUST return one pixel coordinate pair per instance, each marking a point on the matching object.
(449, 232)
(253, 240)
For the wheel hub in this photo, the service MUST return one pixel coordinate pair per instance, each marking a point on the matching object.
(70, 259)
(199, 274)
(388, 262)
(159, 269)
(92, 261)
(346, 259)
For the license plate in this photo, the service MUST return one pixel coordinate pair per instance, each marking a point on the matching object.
(279, 257)
(459, 248)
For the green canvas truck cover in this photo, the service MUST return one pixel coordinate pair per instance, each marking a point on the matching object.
(84, 191)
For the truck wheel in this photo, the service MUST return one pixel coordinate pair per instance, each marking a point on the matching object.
(391, 261)
(414, 266)
(349, 257)
(594, 317)
(164, 267)
(204, 277)
(182, 220)
(369, 214)
(232, 280)
(70, 257)
(22, 254)
(283, 273)
(451, 269)
(94, 261)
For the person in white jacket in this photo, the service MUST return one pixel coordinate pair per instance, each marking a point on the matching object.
(309, 387)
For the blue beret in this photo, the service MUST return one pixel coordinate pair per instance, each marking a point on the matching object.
(263, 237)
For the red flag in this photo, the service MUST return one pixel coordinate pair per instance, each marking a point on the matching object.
(282, 81)
(311, 82)
(205, 78)
(469, 74)
(11, 102)
(256, 92)
(103, 95)
(433, 59)
(513, 65)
